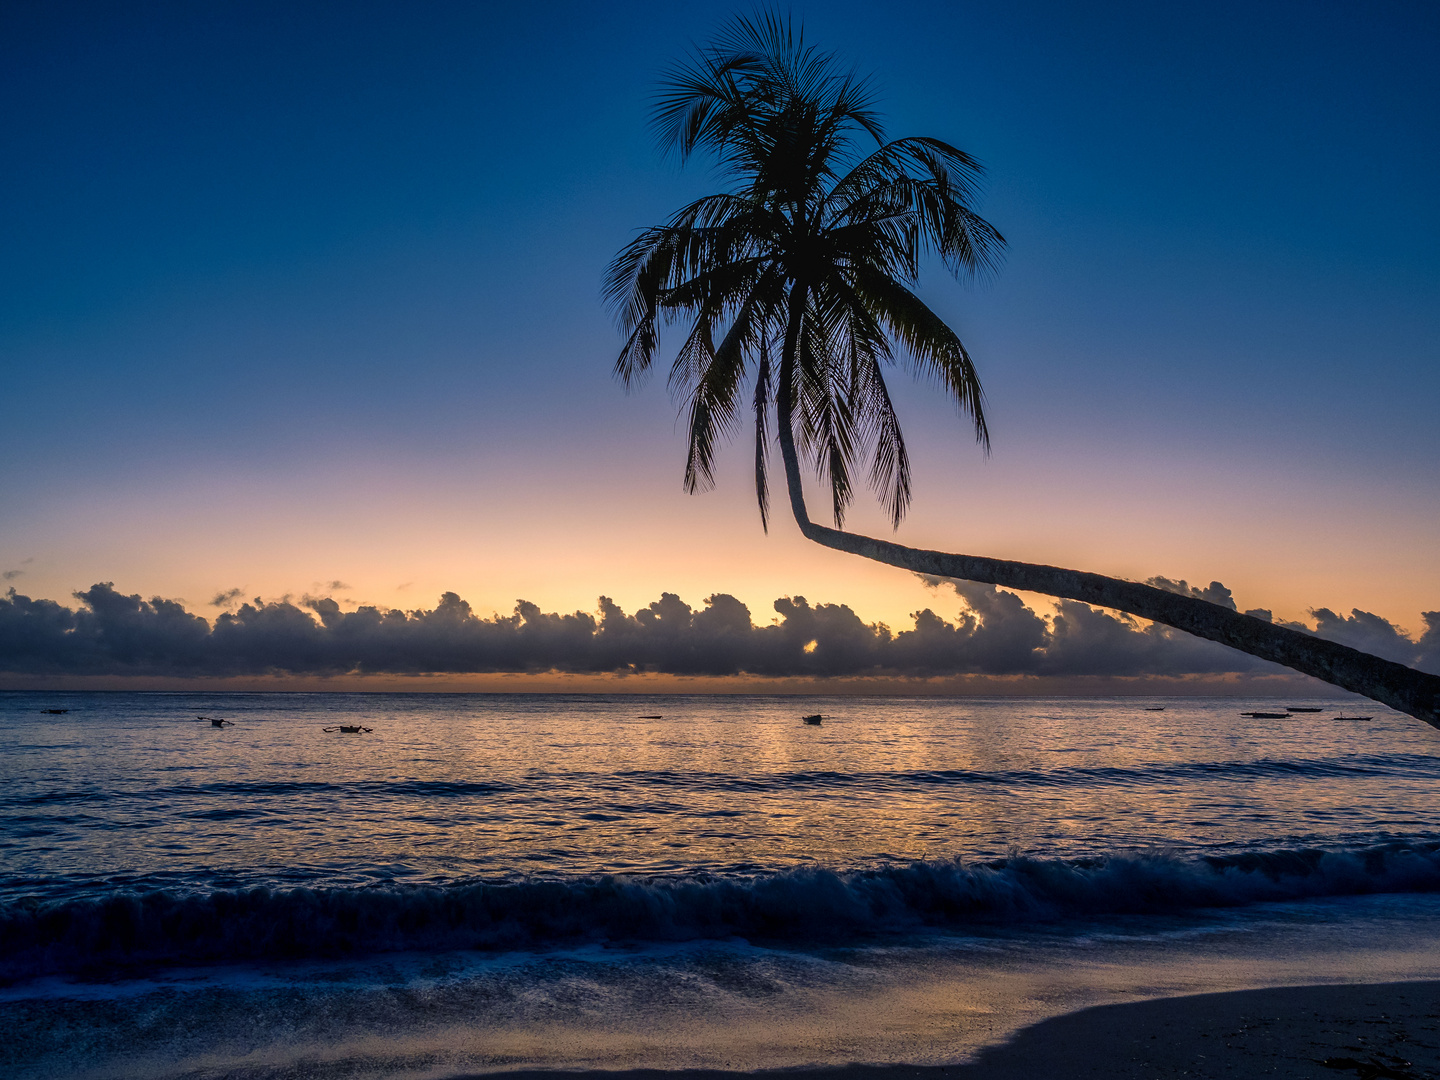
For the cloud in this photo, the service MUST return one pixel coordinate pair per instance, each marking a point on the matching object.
(994, 633)
(1088, 641)
(1368, 633)
(11, 575)
(1428, 646)
(1082, 640)
(1215, 593)
(226, 598)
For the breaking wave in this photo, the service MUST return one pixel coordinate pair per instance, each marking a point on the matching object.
(136, 930)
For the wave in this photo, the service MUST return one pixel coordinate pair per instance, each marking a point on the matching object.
(130, 931)
(819, 780)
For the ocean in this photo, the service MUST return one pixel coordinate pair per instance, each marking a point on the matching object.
(477, 883)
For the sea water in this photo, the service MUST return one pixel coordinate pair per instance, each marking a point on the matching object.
(481, 882)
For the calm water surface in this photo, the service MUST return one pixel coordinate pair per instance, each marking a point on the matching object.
(449, 787)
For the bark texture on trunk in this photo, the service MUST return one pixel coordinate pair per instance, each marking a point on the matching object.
(1400, 687)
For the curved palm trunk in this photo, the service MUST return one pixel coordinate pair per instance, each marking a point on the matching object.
(1392, 684)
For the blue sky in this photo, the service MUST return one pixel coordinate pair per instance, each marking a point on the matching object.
(294, 293)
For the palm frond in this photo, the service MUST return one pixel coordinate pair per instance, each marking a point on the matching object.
(762, 433)
(890, 465)
(935, 349)
(717, 377)
(867, 348)
(703, 100)
(929, 185)
(825, 407)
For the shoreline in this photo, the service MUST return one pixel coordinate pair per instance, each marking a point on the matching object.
(1369, 1030)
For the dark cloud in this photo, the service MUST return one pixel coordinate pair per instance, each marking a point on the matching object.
(1214, 592)
(1429, 644)
(994, 633)
(226, 598)
(1369, 633)
(1089, 641)
(11, 575)
(1082, 640)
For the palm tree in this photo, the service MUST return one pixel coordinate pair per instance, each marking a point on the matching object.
(799, 282)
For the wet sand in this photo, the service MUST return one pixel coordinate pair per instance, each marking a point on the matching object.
(1387, 1030)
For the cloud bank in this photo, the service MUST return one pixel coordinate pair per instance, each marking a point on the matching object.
(994, 634)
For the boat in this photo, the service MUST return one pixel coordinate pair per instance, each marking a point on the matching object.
(650, 718)
(1154, 708)
(350, 729)
(812, 719)
(54, 712)
(1354, 718)
(1301, 708)
(216, 721)
(1267, 715)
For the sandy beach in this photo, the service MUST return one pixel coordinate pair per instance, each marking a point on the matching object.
(1384, 1030)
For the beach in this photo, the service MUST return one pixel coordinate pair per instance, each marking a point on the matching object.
(1285, 1032)
(1389, 1029)
(1289, 1033)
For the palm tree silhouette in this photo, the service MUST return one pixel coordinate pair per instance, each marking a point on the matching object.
(800, 280)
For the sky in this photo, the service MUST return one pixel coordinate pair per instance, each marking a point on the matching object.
(304, 300)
